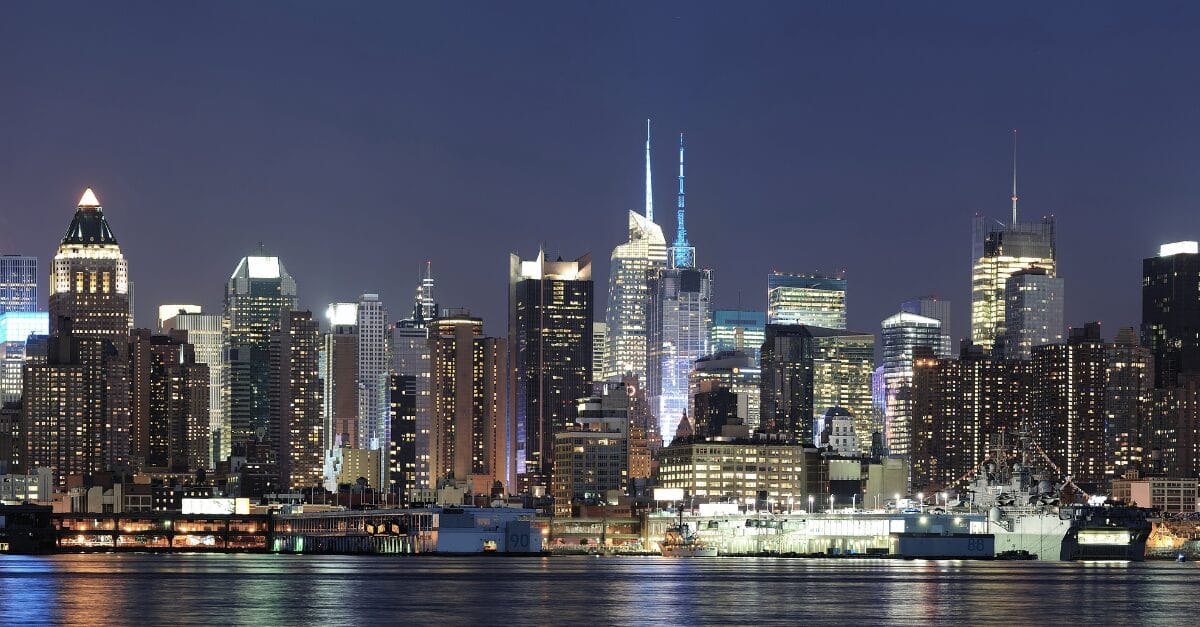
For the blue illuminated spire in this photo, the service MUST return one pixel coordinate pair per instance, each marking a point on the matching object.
(649, 195)
(683, 254)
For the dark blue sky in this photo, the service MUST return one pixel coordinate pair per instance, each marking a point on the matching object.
(358, 140)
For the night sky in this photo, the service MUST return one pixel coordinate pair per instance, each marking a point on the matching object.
(357, 140)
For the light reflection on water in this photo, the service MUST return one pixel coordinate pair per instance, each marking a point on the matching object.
(278, 589)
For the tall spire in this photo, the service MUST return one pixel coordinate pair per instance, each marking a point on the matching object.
(425, 301)
(1014, 189)
(683, 254)
(649, 195)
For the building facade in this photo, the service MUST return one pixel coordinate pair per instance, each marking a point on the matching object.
(205, 334)
(1033, 311)
(1067, 414)
(679, 319)
(904, 337)
(997, 252)
(814, 300)
(18, 284)
(550, 356)
(1171, 311)
(737, 330)
(15, 329)
(372, 355)
(632, 265)
(591, 459)
(296, 425)
(734, 371)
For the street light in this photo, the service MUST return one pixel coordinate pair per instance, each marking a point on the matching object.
(831, 503)
(921, 501)
(810, 502)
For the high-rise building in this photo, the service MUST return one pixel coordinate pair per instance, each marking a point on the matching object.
(717, 408)
(1171, 429)
(258, 291)
(815, 300)
(402, 452)
(410, 358)
(735, 372)
(842, 365)
(295, 400)
(633, 264)
(373, 396)
(998, 251)
(1067, 414)
(18, 283)
(205, 334)
(904, 337)
(169, 413)
(1033, 311)
(738, 330)
(90, 299)
(958, 406)
(1127, 395)
(469, 384)
(89, 281)
(550, 347)
(938, 309)
(65, 410)
(339, 355)
(15, 329)
(592, 456)
(679, 319)
(1171, 311)
(786, 382)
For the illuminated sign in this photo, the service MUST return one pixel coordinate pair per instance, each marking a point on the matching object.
(668, 494)
(1104, 536)
(216, 506)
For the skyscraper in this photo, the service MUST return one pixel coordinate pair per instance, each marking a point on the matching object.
(550, 348)
(1033, 311)
(1127, 396)
(1067, 414)
(205, 334)
(633, 265)
(410, 358)
(469, 390)
(402, 454)
(1171, 311)
(938, 309)
(738, 330)
(166, 312)
(786, 382)
(599, 348)
(90, 300)
(89, 281)
(816, 300)
(258, 291)
(735, 372)
(373, 397)
(18, 283)
(842, 365)
(679, 321)
(683, 254)
(169, 423)
(905, 336)
(999, 250)
(15, 329)
(296, 428)
(340, 381)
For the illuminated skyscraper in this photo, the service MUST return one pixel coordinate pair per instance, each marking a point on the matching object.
(410, 358)
(905, 336)
(786, 382)
(18, 283)
(296, 428)
(1033, 312)
(339, 355)
(373, 395)
(89, 281)
(735, 372)
(679, 321)
(90, 300)
(205, 334)
(737, 330)
(599, 348)
(842, 366)
(550, 348)
(169, 423)
(938, 309)
(1128, 392)
(469, 391)
(15, 329)
(166, 312)
(815, 300)
(258, 291)
(1171, 311)
(633, 265)
(1067, 414)
(999, 250)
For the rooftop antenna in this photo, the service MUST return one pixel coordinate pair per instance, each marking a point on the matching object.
(1014, 187)
(649, 195)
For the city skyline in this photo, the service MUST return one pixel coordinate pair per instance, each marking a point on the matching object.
(754, 173)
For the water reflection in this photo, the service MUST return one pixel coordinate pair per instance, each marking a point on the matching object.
(277, 589)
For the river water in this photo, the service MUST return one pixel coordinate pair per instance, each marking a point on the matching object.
(263, 590)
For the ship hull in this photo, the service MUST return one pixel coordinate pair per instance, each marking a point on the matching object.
(689, 551)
